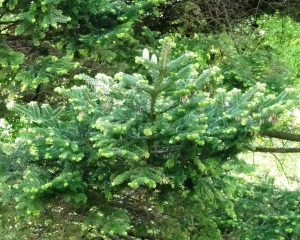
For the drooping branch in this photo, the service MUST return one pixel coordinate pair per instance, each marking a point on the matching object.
(282, 135)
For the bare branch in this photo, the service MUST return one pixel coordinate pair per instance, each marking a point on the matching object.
(282, 135)
(275, 150)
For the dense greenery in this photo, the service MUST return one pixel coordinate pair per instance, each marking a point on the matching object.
(127, 119)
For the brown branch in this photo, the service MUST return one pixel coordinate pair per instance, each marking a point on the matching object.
(10, 22)
(274, 150)
(144, 236)
(282, 135)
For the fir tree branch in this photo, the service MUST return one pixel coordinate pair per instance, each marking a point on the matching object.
(160, 151)
(282, 135)
(165, 56)
(10, 22)
(274, 150)
(116, 237)
(168, 109)
(144, 236)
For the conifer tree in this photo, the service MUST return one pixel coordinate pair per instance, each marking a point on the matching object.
(140, 156)
(44, 43)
